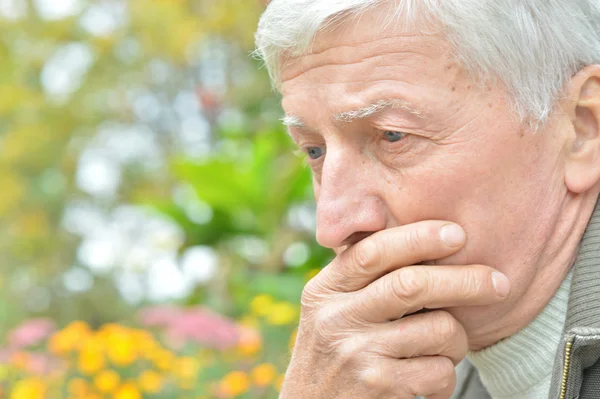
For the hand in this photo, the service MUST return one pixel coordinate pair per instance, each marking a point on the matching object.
(359, 336)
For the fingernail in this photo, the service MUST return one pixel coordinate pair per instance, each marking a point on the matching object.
(501, 284)
(453, 235)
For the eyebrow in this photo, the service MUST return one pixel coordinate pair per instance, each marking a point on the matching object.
(361, 113)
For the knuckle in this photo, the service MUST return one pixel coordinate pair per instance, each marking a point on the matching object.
(414, 240)
(350, 351)
(443, 369)
(438, 374)
(409, 284)
(472, 283)
(374, 378)
(364, 253)
(444, 326)
(327, 330)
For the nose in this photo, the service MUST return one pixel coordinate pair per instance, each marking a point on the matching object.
(349, 201)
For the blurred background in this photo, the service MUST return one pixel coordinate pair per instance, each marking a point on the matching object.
(156, 228)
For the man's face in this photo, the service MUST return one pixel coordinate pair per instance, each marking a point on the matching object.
(435, 145)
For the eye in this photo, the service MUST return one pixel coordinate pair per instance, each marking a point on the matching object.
(315, 152)
(393, 137)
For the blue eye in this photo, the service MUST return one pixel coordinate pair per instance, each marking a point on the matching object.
(314, 152)
(393, 137)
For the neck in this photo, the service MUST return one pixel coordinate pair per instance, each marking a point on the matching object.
(551, 263)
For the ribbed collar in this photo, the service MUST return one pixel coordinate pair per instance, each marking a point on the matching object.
(522, 363)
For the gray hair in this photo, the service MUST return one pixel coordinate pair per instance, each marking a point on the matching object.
(533, 47)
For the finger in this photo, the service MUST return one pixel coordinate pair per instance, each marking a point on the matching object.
(413, 288)
(408, 378)
(391, 249)
(435, 333)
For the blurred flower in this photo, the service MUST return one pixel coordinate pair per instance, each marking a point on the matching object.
(121, 348)
(186, 368)
(261, 305)
(250, 342)
(78, 387)
(150, 382)
(282, 313)
(29, 388)
(164, 359)
(30, 333)
(198, 324)
(91, 358)
(69, 339)
(234, 384)
(107, 381)
(127, 391)
(264, 374)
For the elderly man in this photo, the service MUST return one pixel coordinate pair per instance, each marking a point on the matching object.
(455, 149)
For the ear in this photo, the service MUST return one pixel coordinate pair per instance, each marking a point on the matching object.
(582, 171)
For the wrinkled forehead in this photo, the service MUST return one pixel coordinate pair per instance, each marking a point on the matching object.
(375, 31)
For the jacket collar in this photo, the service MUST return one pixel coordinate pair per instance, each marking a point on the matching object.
(584, 304)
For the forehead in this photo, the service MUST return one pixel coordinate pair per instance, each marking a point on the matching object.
(373, 38)
(367, 59)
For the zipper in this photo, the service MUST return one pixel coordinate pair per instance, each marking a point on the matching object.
(565, 375)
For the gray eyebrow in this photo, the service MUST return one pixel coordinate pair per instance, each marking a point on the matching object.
(361, 113)
(292, 121)
(381, 105)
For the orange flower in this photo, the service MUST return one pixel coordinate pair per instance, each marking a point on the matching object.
(107, 381)
(78, 387)
(150, 381)
(19, 359)
(127, 391)
(250, 342)
(264, 374)
(234, 383)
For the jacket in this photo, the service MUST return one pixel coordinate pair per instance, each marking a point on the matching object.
(576, 371)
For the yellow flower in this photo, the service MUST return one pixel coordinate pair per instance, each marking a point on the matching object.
(121, 349)
(282, 313)
(69, 339)
(78, 387)
(235, 383)
(29, 388)
(107, 381)
(164, 360)
(150, 381)
(186, 368)
(91, 359)
(263, 374)
(127, 391)
(261, 305)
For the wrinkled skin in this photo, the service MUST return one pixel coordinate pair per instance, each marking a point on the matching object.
(523, 198)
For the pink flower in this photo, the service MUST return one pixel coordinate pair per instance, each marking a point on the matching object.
(30, 333)
(197, 324)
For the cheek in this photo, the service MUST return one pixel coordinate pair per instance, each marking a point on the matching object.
(490, 187)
